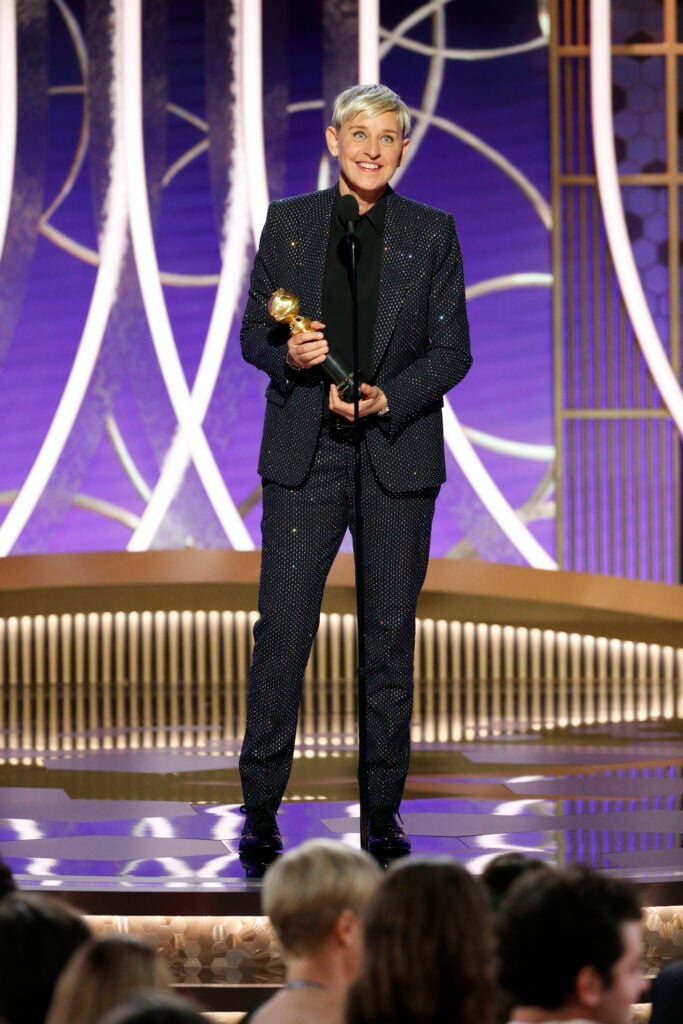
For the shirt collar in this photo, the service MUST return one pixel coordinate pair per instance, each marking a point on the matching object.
(374, 216)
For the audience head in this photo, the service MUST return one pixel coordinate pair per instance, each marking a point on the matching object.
(572, 940)
(38, 936)
(153, 1008)
(7, 883)
(102, 973)
(428, 949)
(314, 889)
(503, 870)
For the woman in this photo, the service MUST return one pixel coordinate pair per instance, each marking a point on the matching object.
(104, 973)
(428, 949)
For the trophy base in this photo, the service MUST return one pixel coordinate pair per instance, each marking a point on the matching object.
(347, 388)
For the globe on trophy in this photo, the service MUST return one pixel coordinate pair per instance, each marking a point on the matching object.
(284, 307)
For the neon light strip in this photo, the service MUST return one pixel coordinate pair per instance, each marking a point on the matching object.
(486, 490)
(613, 213)
(234, 247)
(112, 249)
(516, 449)
(368, 42)
(250, 96)
(8, 111)
(539, 43)
(525, 185)
(129, 14)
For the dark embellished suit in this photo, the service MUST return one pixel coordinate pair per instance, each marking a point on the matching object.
(420, 349)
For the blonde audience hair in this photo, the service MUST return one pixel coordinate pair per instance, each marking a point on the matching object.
(307, 888)
(103, 973)
(371, 100)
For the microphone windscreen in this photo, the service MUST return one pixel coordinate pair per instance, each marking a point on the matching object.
(348, 209)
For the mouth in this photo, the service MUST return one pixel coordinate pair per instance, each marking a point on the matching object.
(368, 166)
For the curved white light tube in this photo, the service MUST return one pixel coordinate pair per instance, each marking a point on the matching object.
(112, 249)
(234, 247)
(129, 13)
(8, 111)
(368, 42)
(486, 490)
(250, 97)
(613, 214)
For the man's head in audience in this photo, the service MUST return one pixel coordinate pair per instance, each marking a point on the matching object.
(571, 946)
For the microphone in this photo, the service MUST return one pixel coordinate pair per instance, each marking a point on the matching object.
(349, 213)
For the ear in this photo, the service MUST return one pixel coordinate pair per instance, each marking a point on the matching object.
(346, 927)
(589, 986)
(332, 140)
(404, 146)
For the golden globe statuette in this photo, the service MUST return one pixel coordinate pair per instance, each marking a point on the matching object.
(284, 307)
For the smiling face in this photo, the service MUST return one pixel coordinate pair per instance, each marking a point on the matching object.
(369, 150)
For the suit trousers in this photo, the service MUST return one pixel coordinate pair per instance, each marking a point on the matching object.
(302, 530)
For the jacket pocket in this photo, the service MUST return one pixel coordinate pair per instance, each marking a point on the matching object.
(275, 396)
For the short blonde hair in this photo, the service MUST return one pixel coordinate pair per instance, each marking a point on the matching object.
(307, 888)
(371, 100)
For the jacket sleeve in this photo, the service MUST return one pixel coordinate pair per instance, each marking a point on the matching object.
(264, 341)
(446, 357)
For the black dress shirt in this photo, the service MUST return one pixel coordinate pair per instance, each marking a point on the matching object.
(337, 309)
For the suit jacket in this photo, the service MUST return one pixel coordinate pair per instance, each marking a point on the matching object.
(420, 346)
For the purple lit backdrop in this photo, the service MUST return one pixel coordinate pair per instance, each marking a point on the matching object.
(508, 393)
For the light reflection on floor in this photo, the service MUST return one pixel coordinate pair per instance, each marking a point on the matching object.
(166, 818)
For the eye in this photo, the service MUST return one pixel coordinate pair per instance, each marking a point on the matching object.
(388, 139)
(359, 135)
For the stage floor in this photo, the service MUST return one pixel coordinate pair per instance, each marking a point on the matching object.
(165, 816)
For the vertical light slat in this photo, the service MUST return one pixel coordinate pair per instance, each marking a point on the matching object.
(522, 636)
(655, 662)
(456, 642)
(165, 676)
(469, 637)
(197, 709)
(442, 662)
(641, 681)
(550, 679)
(336, 640)
(66, 727)
(349, 628)
(589, 680)
(602, 656)
(482, 632)
(428, 652)
(535, 653)
(509, 676)
(228, 631)
(628, 661)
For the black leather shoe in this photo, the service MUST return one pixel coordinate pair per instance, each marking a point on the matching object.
(260, 831)
(386, 836)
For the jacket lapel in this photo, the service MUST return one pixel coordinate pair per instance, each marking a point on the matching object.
(312, 242)
(396, 269)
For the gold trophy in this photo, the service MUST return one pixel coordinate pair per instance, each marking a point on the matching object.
(284, 307)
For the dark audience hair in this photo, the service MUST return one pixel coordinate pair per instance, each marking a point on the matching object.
(153, 1007)
(429, 953)
(7, 883)
(553, 923)
(103, 973)
(38, 936)
(506, 868)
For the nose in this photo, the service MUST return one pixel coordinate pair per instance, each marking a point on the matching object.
(372, 147)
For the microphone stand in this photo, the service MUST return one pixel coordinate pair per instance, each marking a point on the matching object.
(353, 244)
